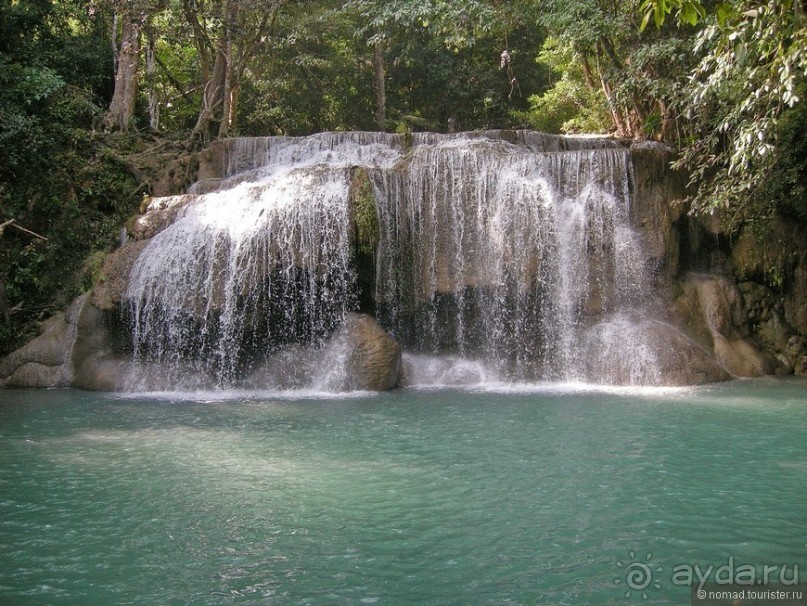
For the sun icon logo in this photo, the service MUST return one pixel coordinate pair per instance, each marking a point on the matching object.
(638, 575)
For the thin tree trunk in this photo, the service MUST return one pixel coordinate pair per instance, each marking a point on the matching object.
(241, 37)
(380, 86)
(200, 38)
(631, 127)
(234, 107)
(619, 123)
(151, 73)
(113, 41)
(608, 47)
(211, 119)
(227, 91)
(212, 98)
(587, 74)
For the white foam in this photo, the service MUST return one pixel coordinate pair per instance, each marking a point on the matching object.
(240, 395)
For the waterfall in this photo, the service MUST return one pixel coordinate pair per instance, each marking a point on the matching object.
(513, 251)
(507, 253)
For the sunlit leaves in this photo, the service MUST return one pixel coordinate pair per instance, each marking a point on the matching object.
(690, 12)
(754, 65)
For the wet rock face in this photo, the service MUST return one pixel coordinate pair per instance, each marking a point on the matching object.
(44, 361)
(714, 309)
(159, 214)
(767, 261)
(658, 196)
(110, 291)
(96, 363)
(655, 353)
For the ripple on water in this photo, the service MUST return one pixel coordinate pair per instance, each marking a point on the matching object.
(411, 497)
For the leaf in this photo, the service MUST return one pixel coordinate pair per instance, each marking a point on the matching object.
(646, 19)
(740, 53)
(724, 12)
(688, 14)
(660, 14)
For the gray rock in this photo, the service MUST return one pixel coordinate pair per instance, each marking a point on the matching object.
(74, 350)
(160, 213)
(649, 352)
(96, 366)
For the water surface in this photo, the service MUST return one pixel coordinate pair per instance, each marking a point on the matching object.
(524, 495)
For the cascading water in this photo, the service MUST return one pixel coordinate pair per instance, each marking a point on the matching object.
(509, 252)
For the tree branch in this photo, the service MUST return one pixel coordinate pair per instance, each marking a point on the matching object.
(13, 223)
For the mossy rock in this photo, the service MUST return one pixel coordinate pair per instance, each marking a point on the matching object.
(363, 212)
(768, 253)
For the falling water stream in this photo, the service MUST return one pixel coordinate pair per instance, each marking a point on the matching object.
(510, 252)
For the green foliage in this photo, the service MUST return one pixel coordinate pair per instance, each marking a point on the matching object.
(317, 72)
(57, 177)
(315, 76)
(570, 106)
(176, 82)
(752, 67)
(429, 84)
(689, 12)
(785, 187)
(609, 76)
(456, 24)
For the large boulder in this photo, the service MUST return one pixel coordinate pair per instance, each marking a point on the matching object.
(74, 349)
(367, 357)
(45, 361)
(359, 356)
(96, 365)
(158, 214)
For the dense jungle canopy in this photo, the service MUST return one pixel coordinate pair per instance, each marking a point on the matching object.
(93, 91)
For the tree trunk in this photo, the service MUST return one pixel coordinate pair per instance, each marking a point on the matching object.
(619, 123)
(379, 86)
(121, 108)
(200, 38)
(113, 42)
(151, 71)
(212, 120)
(241, 36)
(212, 98)
(587, 74)
(228, 107)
